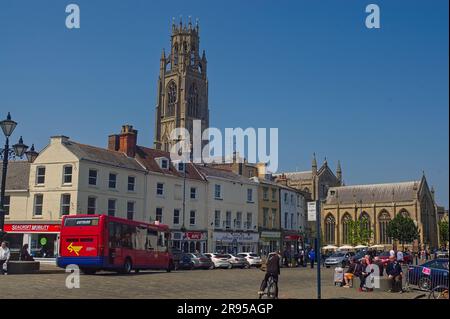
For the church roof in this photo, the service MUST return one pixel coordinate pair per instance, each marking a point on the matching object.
(18, 175)
(373, 193)
(295, 176)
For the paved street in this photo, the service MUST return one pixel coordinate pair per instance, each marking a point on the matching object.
(210, 284)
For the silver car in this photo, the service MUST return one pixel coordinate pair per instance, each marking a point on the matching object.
(340, 259)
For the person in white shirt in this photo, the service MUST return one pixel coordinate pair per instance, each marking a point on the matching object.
(5, 254)
(400, 256)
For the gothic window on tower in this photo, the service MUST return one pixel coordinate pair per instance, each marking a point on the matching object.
(171, 98)
(193, 101)
(175, 54)
(193, 56)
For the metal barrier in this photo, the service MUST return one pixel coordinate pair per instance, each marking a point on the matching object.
(425, 279)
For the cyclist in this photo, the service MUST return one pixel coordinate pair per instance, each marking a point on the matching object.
(272, 270)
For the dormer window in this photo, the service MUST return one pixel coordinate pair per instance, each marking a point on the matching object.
(163, 162)
(332, 193)
(179, 165)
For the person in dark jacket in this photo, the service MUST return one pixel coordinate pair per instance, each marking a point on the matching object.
(272, 270)
(395, 274)
(24, 254)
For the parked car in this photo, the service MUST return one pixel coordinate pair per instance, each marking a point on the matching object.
(219, 260)
(253, 259)
(430, 274)
(195, 261)
(340, 259)
(384, 257)
(238, 261)
(442, 254)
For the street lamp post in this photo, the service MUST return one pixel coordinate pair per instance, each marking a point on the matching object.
(18, 150)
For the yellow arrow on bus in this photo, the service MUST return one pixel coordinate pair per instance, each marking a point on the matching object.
(74, 249)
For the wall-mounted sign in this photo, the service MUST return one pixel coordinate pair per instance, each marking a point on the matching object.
(312, 211)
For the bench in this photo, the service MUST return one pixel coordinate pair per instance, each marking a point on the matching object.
(23, 267)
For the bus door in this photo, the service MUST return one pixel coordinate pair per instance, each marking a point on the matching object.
(151, 248)
(162, 247)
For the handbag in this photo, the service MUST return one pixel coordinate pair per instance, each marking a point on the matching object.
(5, 266)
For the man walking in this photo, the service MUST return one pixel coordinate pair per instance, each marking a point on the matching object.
(312, 257)
(5, 254)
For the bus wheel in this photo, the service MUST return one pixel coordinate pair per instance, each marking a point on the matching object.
(170, 267)
(127, 266)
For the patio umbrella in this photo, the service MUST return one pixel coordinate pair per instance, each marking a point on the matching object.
(345, 247)
(329, 247)
(360, 247)
(377, 246)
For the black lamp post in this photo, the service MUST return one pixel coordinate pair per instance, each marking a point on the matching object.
(18, 150)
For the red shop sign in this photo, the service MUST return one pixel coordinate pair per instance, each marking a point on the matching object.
(292, 237)
(32, 228)
(194, 235)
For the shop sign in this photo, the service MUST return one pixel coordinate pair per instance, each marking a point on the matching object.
(271, 234)
(32, 228)
(236, 237)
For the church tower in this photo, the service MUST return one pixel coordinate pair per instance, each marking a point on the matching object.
(182, 86)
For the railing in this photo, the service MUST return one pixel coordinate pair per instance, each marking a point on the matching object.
(423, 278)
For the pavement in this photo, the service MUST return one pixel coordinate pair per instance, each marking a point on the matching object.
(294, 283)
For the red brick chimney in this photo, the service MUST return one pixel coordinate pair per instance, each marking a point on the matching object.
(113, 142)
(128, 140)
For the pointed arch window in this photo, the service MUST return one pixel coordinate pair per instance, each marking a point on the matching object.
(193, 101)
(346, 220)
(330, 224)
(171, 98)
(193, 55)
(404, 213)
(365, 218)
(383, 219)
(175, 54)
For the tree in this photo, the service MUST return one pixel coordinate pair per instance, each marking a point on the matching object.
(359, 232)
(403, 230)
(443, 232)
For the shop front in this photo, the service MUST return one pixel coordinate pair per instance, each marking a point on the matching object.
(269, 242)
(235, 242)
(292, 241)
(42, 239)
(190, 241)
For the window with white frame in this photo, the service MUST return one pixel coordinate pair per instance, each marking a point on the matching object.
(65, 204)
(67, 174)
(285, 197)
(176, 216)
(274, 214)
(217, 218)
(164, 163)
(265, 217)
(249, 220)
(159, 189)
(112, 182)
(112, 203)
(159, 214)
(250, 195)
(40, 175)
(192, 217)
(193, 193)
(217, 191)
(6, 204)
(238, 220)
(38, 203)
(93, 177)
(265, 193)
(131, 183)
(130, 210)
(285, 220)
(92, 205)
(228, 219)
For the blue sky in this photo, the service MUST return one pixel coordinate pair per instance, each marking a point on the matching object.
(375, 99)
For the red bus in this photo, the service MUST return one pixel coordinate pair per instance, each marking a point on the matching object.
(100, 242)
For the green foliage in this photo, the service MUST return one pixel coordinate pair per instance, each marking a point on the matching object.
(443, 232)
(403, 229)
(359, 231)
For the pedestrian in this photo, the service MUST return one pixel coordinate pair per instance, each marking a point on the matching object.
(24, 254)
(395, 274)
(312, 257)
(380, 265)
(5, 254)
(350, 273)
(400, 256)
(286, 258)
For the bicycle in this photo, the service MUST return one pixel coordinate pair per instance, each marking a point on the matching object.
(438, 292)
(271, 289)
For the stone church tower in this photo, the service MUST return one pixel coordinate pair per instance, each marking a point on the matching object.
(182, 86)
